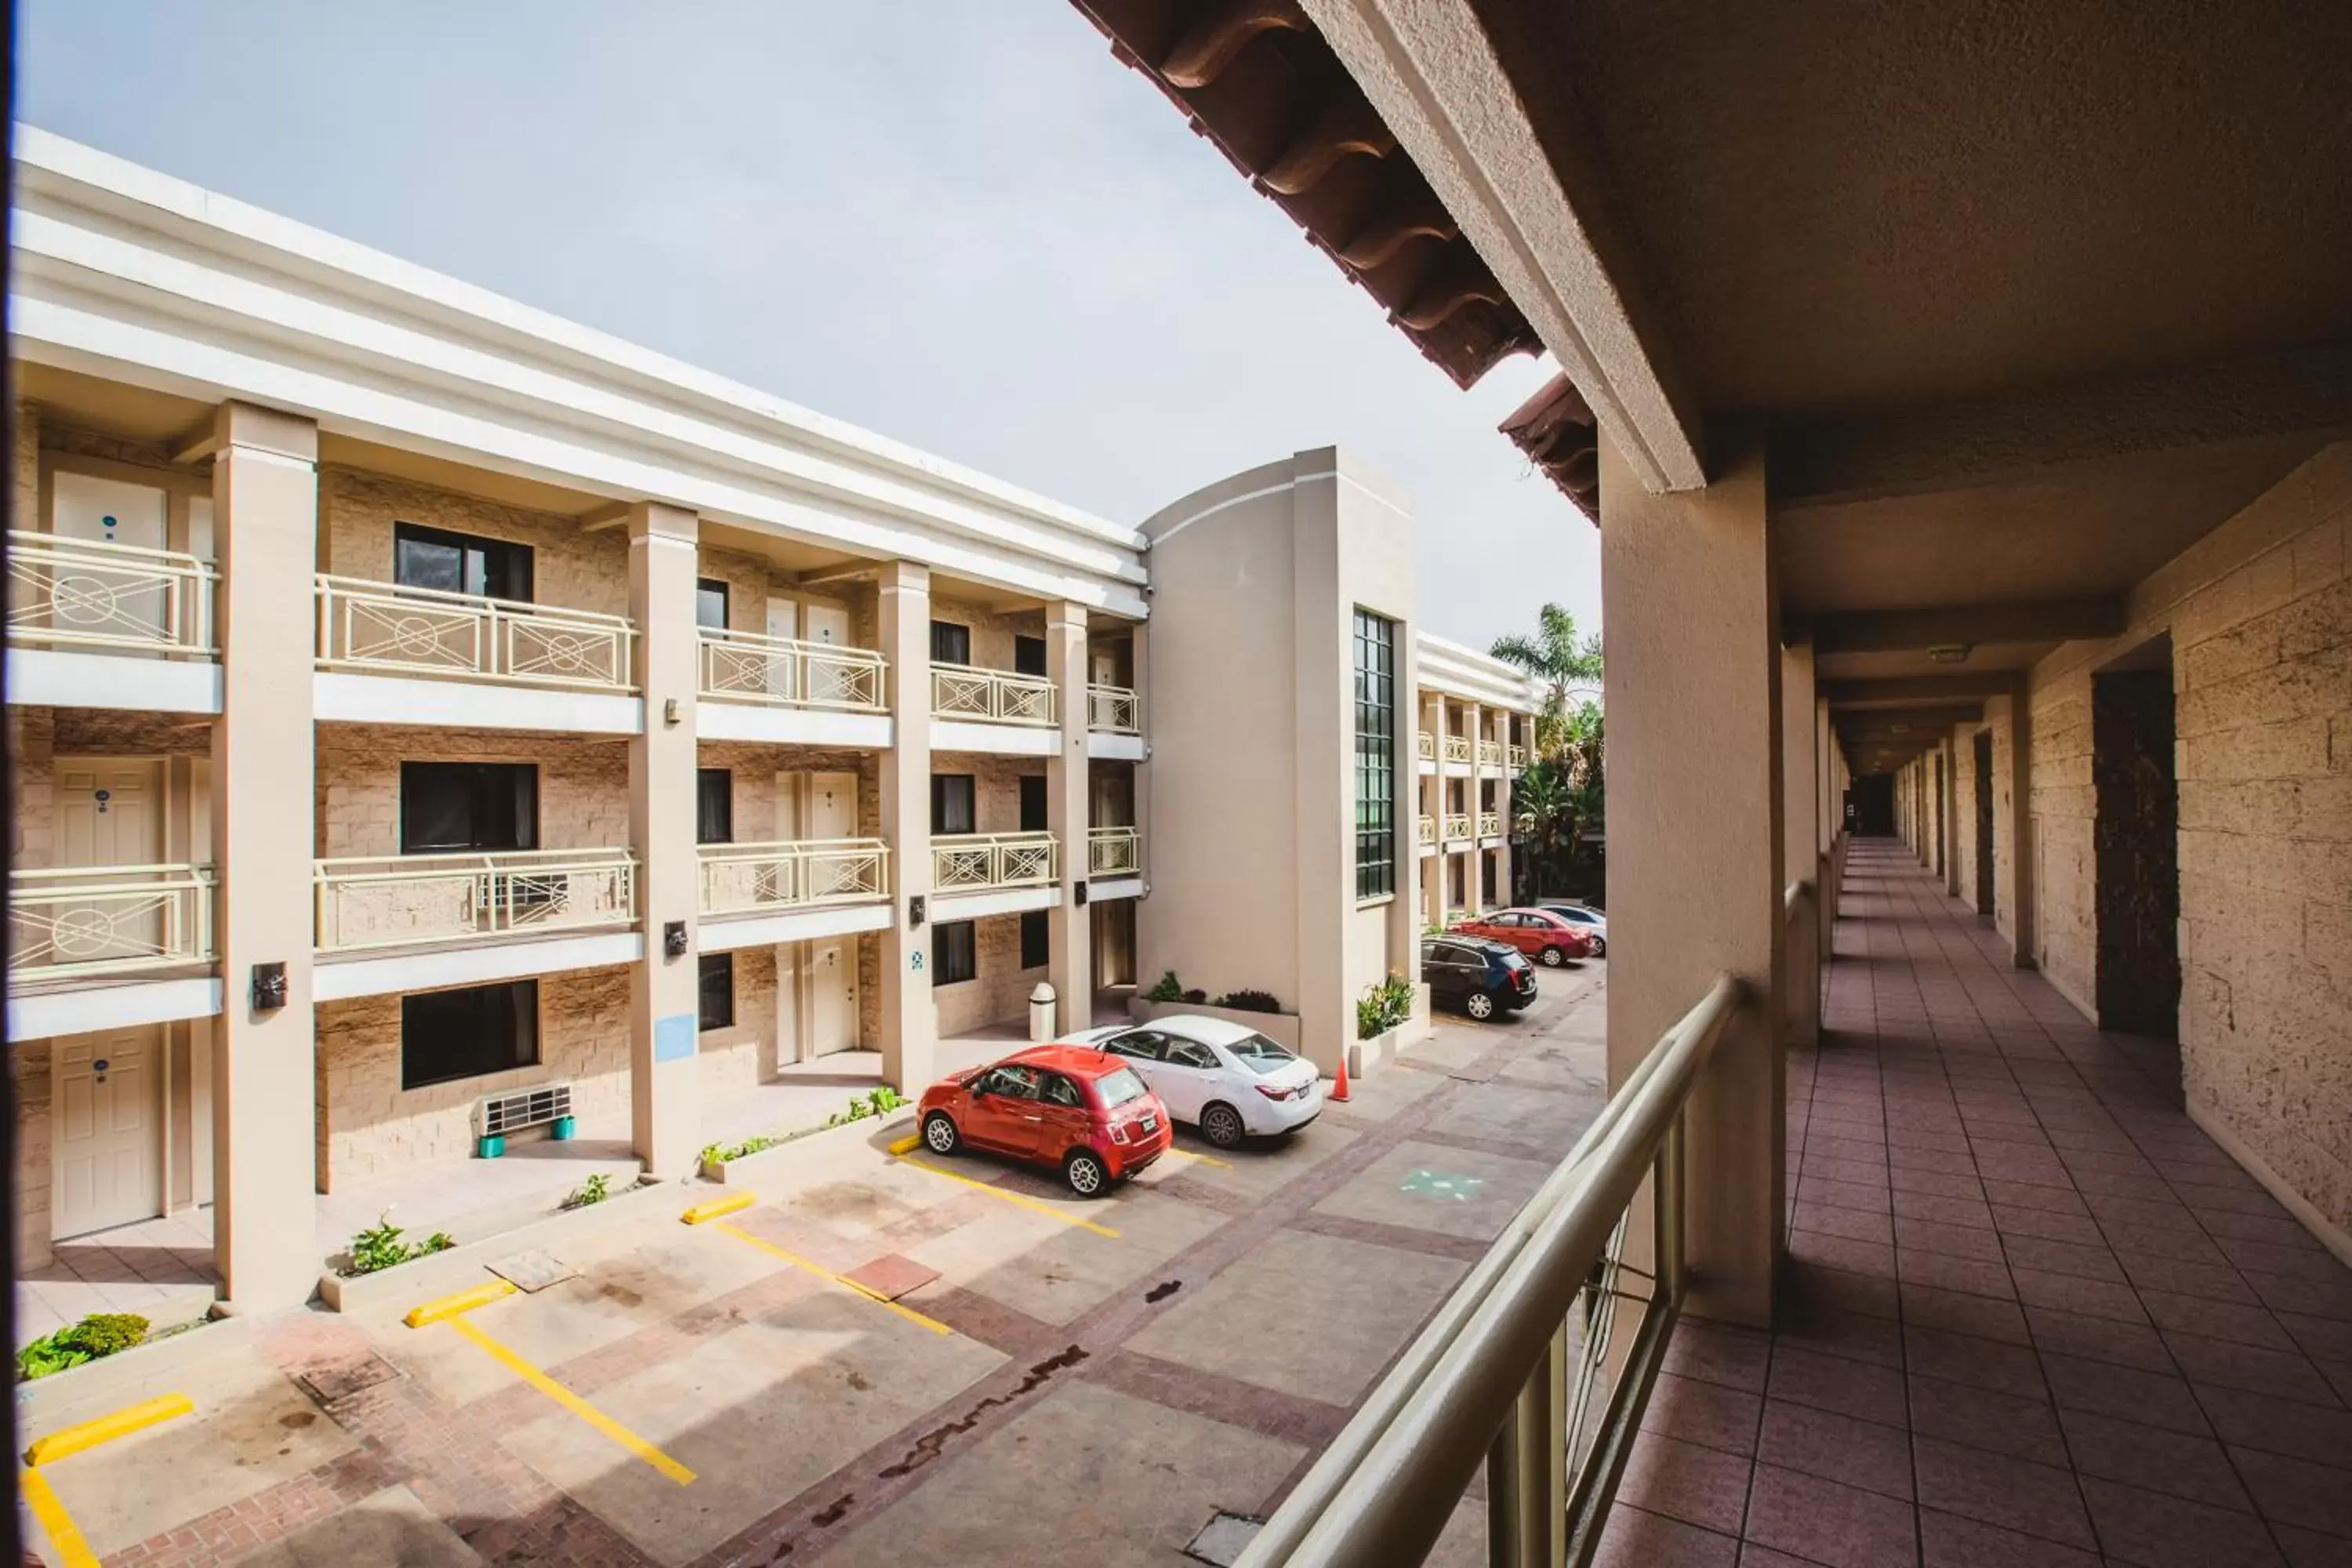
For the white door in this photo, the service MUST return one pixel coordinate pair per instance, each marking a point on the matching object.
(108, 813)
(832, 805)
(828, 625)
(833, 996)
(105, 1130)
(99, 600)
(783, 674)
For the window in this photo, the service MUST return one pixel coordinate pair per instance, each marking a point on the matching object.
(711, 604)
(1029, 655)
(459, 562)
(447, 807)
(1036, 939)
(445, 1035)
(715, 977)
(1143, 1045)
(1375, 756)
(955, 955)
(1013, 1079)
(951, 804)
(951, 644)
(1186, 1054)
(1058, 1090)
(1033, 802)
(714, 806)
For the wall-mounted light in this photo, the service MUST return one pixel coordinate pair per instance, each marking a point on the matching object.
(674, 938)
(670, 714)
(1951, 653)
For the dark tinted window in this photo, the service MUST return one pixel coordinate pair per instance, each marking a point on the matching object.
(714, 806)
(954, 954)
(459, 562)
(715, 973)
(445, 1035)
(1033, 802)
(1058, 1090)
(711, 604)
(1036, 939)
(1029, 655)
(447, 808)
(951, 804)
(951, 644)
(1375, 649)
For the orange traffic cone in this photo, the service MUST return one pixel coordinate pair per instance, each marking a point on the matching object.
(1339, 1095)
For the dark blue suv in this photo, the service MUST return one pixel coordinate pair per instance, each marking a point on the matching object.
(1477, 974)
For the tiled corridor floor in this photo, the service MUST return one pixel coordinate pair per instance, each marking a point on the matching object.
(2032, 1314)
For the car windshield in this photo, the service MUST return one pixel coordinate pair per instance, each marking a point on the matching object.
(1117, 1087)
(1259, 1054)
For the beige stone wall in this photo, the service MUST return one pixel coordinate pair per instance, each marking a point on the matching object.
(25, 466)
(32, 803)
(31, 1060)
(999, 994)
(583, 783)
(745, 1055)
(992, 632)
(2259, 612)
(369, 1128)
(995, 785)
(757, 796)
(570, 566)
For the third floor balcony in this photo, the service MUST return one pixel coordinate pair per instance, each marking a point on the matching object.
(99, 625)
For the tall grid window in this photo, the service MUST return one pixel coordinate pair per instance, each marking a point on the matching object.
(1375, 756)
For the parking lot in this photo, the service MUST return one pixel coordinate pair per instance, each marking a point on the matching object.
(887, 1359)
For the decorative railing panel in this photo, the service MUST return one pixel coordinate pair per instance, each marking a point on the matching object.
(1429, 829)
(1425, 746)
(1112, 708)
(378, 628)
(1490, 825)
(745, 666)
(114, 598)
(976, 862)
(1114, 852)
(1457, 748)
(1490, 753)
(1515, 757)
(101, 919)
(754, 879)
(1457, 825)
(394, 901)
(997, 696)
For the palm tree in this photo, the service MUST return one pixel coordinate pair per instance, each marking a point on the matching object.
(1565, 664)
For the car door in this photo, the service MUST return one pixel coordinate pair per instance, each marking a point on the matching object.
(1188, 1079)
(1001, 1112)
(1506, 928)
(1145, 1050)
(1063, 1117)
(1451, 971)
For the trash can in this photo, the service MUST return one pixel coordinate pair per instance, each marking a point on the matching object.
(1041, 1011)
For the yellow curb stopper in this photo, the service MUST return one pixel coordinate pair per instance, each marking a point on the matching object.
(442, 1306)
(906, 1145)
(106, 1428)
(718, 1206)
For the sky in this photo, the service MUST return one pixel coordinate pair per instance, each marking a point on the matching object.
(964, 225)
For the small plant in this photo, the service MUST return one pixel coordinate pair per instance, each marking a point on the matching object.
(99, 1334)
(1383, 1006)
(1195, 996)
(1165, 990)
(380, 1247)
(886, 1099)
(721, 1153)
(1248, 1001)
(595, 1190)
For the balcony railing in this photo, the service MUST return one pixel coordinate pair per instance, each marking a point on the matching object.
(977, 862)
(745, 666)
(1457, 748)
(1112, 708)
(1457, 825)
(106, 919)
(395, 899)
(997, 696)
(1515, 757)
(379, 627)
(1114, 852)
(118, 598)
(1490, 825)
(1428, 829)
(1425, 746)
(1490, 753)
(754, 879)
(1538, 1365)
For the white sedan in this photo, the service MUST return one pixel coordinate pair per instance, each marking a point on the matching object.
(1592, 922)
(1225, 1079)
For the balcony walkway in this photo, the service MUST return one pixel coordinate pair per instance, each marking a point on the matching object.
(2031, 1315)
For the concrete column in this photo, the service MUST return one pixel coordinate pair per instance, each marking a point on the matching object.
(1434, 888)
(1952, 813)
(1140, 660)
(911, 1019)
(266, 537)
(1695, 845)
(1503, 808)
(1801, 841)
(665, 1111)
(2024, 938)
(1405, 911)
(1068, 812)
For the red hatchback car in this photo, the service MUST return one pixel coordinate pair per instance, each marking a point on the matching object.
(1067, 1106)
(1540, 935)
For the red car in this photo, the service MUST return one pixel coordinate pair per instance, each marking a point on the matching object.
(1540, 935)
(1067, 1106)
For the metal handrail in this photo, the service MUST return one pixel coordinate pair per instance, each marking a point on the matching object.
(1425, 746)
(977, 862)
(751, 666)
(117, 598)
(394, 901)
(1428, 829)
(1112, 708)
(381, 626)
(97, 920)
(1457, 748)
(1385, 1488)
(1490, 825)
(1113, 851)
(1001, 696)
(752, 878)
(1457, 826)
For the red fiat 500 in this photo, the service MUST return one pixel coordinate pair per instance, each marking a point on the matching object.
(1540, 935)
(1066, 1106)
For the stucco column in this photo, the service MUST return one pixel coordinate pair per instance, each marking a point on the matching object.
(1800, 843)
(910, 1018)
(1434, 880)
(265, 539)
(1695, 845)
(1070, 813)
(1405, 909)
(2024, 938)
(665, 1112)
(1509, 723)
(1140, 669)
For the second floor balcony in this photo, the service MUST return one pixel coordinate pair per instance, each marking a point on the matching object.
(1114, 852)
(993, 862)
(94, 920)
(745, 666)
(1490, 825)
(378, 628)
(82, 595)
(1457, 826)
(772, 879)
(1113, 709)
(371, 903)
(968, 693)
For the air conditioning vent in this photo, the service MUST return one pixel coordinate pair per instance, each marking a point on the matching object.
(503, 1113)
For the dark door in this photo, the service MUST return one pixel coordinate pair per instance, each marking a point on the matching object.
(2135, 847)
(1984, 822)
(1033, 802)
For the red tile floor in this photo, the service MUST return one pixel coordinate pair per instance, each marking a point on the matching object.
(2032, 1315)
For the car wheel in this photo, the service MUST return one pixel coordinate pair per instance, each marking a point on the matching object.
(1478, 1005)
(1084, 1171)
(1553, 958)
(1221, 1124)
(1599, 948)
(940, 1134)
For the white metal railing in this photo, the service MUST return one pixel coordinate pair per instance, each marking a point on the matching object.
(1515, 757)
(120, 599)
(745, 666)
(1457, 748)
(973, 862)
(749, 878)
(1428, 829)
(426, 631)
(1457, 825)
(1113, 851)
(1425, 746)
(388, 901)
(1111, 708)
(1490, 825)
(1530, 1366)
(99, 920)
(1490, 753)
(1000, 696)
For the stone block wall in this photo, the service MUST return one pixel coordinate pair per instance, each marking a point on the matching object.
(34, 1165)
(583, 783)
(569, 567)
(1000, 992)
(744, 1054)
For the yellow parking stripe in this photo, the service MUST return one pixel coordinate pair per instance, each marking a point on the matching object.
(574, 1404)
(797, 1261)
(1026, 1203)
(1204, 1159)
(72, 1550)
(106, 1428)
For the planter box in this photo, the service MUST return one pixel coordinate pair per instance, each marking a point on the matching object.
(778, 1164)
(1282, 1028)
(110, 1383)
(467, 1263)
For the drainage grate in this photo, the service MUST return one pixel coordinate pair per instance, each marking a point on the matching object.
(341, 1380)
(1220, 1539)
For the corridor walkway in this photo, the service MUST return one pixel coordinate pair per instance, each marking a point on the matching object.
(2032, 1315)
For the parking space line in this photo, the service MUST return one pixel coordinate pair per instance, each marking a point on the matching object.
(574, 1404)
(797, 1261)
(1204, 1159)
(64, 1535)
(1024, 1202)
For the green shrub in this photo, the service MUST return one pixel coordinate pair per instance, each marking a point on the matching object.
(1383, 1006)
(380, 1247)
(99, 1334)
(1195, 996)
(595, 1190)
(1167, 989)
(1248, 1001)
